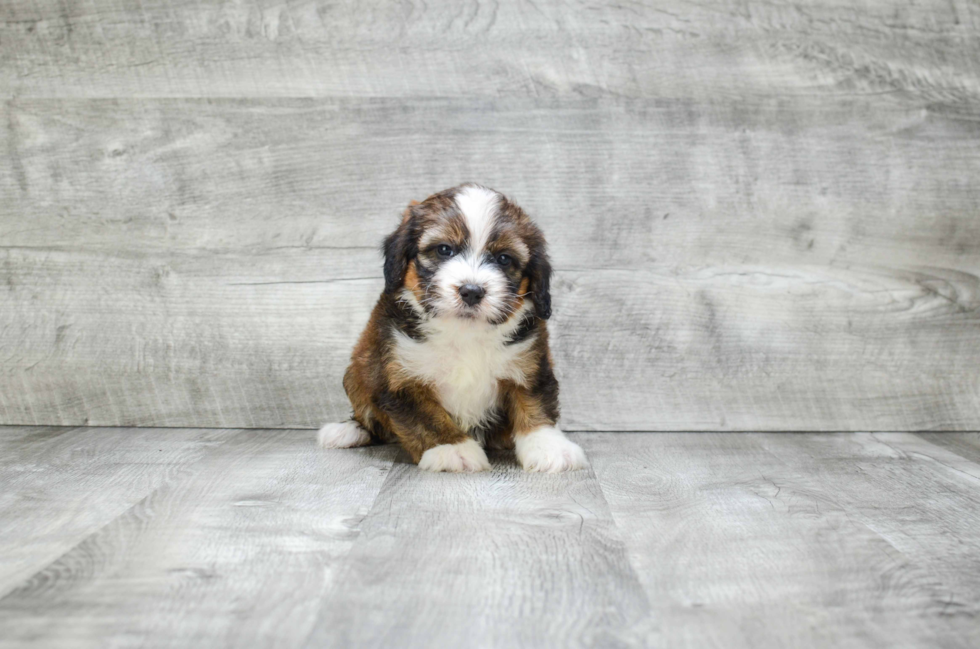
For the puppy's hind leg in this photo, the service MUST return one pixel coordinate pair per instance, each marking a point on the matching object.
(346, 434)
(354, 431)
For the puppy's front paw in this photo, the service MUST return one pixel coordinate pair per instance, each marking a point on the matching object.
(546, 449)
(346, 434)
(465, 456)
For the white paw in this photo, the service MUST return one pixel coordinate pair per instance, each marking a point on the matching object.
(546, 449)
(346, 434)
(465, 456)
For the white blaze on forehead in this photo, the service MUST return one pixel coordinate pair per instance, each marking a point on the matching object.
(478, 206)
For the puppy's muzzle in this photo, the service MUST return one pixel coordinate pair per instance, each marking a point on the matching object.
(471, 294)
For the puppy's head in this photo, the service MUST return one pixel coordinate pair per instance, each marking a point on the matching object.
(468, 252)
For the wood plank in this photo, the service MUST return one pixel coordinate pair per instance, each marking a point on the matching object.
(203, 346)
(239, 552)
(61, 485)
(742, 181)
(371, 48)
(792, 540)
(920, 497)
(498, 559)
(169, 338)
(806, 263)
(680, 539)
(963, 444)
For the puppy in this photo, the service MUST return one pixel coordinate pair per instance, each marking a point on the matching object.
(455, 357)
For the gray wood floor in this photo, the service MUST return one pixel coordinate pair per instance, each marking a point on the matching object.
(212, 538)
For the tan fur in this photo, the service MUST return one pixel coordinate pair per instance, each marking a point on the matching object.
(372, 371)
(393, 405)
(525, 411)
(412, 283)
(359, 379)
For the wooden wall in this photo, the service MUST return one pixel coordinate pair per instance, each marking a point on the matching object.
(763, 215)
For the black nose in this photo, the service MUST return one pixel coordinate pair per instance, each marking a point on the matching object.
(471, 293)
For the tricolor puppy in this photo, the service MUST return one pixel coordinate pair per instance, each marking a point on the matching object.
(455, 357)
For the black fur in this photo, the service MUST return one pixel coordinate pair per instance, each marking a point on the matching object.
(539, 272)
(546, 387)
(395, 405)
(402, 317)
(400, 247)
(527, 327)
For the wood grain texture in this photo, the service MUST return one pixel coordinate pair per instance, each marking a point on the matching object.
(61, 485)
(497, 559)
(675, 539)
(238, 552)
(796, 540)
(919, 497)
(785, 264)
(964, 444)
(373, 48)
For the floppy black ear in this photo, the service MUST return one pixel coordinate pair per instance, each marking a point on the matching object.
(399, 248)
(539, 272)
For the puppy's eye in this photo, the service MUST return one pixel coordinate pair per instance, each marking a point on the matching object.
(504, 260)
(444, 250)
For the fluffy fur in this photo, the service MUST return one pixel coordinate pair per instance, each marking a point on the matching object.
(346, 434)
(445, 374)
(546, 449)
(465, 456)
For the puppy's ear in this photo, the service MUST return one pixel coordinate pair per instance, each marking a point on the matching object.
(539, 272)
(399, 249)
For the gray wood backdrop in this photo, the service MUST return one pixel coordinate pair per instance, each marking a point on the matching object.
(763, 215)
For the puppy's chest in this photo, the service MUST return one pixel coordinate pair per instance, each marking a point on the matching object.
(464, 366)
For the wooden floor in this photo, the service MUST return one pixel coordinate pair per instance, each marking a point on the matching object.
(214, 538)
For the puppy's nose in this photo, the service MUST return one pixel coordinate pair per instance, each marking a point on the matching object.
(471, 293)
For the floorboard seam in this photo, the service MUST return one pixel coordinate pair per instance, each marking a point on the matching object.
(182, 473)
(344, 563)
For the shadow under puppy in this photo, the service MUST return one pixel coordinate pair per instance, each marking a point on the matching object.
(455, 356)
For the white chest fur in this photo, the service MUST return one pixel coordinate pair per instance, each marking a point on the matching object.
(463, 360)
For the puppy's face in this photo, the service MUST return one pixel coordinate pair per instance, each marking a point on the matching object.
(470, 253)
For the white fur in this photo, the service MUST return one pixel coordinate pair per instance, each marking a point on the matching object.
(346, 434)
(478, 205)
(409, 298)
(546, 449)
(463, 359)
(466, 456)
(469, 268)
